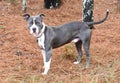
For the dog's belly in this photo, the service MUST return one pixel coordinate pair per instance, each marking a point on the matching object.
(75, 40)
(61, 43)
(57, 44)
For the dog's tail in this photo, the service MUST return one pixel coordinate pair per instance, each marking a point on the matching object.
(98, 22)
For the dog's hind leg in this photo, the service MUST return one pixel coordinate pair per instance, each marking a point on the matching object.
(79, 49)
(86, 45)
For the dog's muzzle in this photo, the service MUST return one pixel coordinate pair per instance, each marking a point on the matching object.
(34, 30)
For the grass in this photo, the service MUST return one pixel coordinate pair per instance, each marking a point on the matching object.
(69, 51)
(104, 75)
(26, 79)
(11, 1)
(78, 74)
(2, 27)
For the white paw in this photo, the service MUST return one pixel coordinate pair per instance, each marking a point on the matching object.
(44, 67)
(44, 73)
(76, 62)
(87, 66)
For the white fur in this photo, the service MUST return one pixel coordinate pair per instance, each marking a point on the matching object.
(42, 31)
(41, 41)
(46, 64)
(41, 37)
(75, 40)
(76, 62)
(47, 67)
(44, 57)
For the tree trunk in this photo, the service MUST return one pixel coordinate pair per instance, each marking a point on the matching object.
(118, 6)
(88, 10)
(24, 5)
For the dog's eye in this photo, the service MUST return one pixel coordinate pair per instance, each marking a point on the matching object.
(37, 23)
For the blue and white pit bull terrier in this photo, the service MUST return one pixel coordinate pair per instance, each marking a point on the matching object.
(53, 37)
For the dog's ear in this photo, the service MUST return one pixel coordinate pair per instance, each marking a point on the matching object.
(42, 16)
(26, 16)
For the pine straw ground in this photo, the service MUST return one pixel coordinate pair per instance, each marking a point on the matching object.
(15, 40)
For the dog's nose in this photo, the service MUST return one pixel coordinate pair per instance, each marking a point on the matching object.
(34, 30)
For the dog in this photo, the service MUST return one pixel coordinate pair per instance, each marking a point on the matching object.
(49, 4)
(53, 37)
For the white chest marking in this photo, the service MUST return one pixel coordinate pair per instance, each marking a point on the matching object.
(41, 41)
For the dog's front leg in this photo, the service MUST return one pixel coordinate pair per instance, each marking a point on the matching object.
(43, 54)
(47, 61)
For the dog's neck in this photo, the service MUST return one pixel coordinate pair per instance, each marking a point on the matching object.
(41, 32)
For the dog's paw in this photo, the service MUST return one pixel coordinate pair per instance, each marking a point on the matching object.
(76, 62)
(43, 67)
(87, 66)
(44, 73)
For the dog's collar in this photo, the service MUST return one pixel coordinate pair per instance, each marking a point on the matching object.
(41, 32)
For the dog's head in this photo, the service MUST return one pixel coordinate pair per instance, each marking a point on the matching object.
(35, 23)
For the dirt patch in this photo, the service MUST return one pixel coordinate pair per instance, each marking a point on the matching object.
(15, 40)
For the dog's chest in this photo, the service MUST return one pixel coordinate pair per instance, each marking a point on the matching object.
(41, 41)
